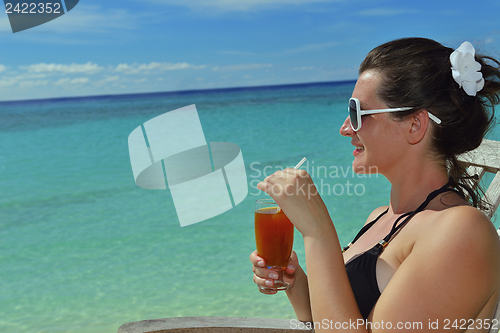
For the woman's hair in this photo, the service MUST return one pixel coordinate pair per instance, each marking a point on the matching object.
(416, 72)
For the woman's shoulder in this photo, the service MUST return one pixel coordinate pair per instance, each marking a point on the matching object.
(466, 220)
(465, 230)
(451, 268)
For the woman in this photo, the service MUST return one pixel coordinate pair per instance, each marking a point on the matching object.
(430, 257)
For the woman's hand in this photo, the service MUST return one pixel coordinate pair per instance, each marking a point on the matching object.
(295, 192)
(265, 277)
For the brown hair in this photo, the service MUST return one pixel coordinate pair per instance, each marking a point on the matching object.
(416, 72)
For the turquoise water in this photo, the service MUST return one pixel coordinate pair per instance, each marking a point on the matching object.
(83, 249)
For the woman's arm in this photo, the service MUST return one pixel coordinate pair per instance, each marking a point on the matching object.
(332, 299)
(331, 296)
(299, 296)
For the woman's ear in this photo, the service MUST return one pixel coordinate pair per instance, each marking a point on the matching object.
(418, 127)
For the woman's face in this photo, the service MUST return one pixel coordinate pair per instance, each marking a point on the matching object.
(378, 143)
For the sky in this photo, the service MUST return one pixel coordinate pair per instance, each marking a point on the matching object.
(104, 47)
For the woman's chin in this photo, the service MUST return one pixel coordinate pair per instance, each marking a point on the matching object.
(364, 169)
(360, 170)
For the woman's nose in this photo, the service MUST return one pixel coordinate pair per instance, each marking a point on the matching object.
(346, 129)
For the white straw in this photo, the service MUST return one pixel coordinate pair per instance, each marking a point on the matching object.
(300, 163)
(296, 167)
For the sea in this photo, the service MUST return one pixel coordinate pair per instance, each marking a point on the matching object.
(83, 249)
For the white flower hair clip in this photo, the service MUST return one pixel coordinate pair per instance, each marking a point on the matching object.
(466, 70)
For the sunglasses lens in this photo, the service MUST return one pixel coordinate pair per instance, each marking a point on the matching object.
(353, 114)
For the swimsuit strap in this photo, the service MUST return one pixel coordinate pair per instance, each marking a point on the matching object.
(368, 226)
(364, 229)
(395, 227)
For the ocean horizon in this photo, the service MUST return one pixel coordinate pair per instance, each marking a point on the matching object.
(179, 92)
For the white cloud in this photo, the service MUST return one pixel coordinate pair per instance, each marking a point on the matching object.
(62, 81)
(243, 67)
(13, 79)
(79, 80)
(107, 81)
(32, 83)
(3, 68)
(5, 24)
(238, 5)
(384, 12)
(154, 66)
(8, 81)
(88, 68)
(303, 68)
(110, 79)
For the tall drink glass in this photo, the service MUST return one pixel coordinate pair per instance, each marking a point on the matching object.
(274, 239)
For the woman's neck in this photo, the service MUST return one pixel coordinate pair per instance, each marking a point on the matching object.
(409, 189)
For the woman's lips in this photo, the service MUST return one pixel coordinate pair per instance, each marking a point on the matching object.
(358, 150)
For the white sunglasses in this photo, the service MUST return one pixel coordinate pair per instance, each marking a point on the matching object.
(355, 113)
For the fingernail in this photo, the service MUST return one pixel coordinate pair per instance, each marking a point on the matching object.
(273, 275)
(260, 263)
(268, 283)
(291, 267)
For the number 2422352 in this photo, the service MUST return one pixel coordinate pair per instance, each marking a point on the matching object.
(33, 8)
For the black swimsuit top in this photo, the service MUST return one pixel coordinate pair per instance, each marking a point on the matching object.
(361, 269)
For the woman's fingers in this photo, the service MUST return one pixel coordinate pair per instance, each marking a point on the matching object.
(265, 277)
(256, 260)
(297, 195)
(261, 282)
(282, 182)
(291, 268)
(259, 268)
(265, 273)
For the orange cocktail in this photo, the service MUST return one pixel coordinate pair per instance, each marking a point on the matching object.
(274, 238)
